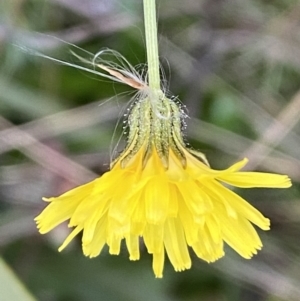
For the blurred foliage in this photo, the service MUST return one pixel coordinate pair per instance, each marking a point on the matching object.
(235, 65)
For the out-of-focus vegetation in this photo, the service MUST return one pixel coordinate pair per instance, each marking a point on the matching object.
(235, 64)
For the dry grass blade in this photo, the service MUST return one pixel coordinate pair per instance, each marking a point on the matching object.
(46, 156)
(274, 134)
(57, 124)
(262, 276)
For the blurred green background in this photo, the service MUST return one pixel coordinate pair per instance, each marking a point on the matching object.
(235, 64)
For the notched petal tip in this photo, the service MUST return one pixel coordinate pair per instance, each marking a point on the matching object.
(183, 268)
(134, 257)
(287, 182)
(267, 225)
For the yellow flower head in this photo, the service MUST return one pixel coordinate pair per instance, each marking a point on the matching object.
(161, 191)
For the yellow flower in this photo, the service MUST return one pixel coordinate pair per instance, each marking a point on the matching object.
(161, 191)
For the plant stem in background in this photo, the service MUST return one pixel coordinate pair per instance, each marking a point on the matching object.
(151, 44)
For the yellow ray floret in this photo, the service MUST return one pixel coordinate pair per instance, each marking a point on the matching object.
(159, 190)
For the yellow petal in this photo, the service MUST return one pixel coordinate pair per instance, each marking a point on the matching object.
(217, 193)
(188, 222)
(157, 200)
(237, 166)
(197, 201)
(55, 214)
(95, 245)
(176, 246)
(132, 243)
(114, 242)
(255, 179)
(153, 238)
(123, 204)
(241, 236)
(242, 207)
(90, 204)
(158, 263)
(214, 228)
(206, 248)
(70, 237)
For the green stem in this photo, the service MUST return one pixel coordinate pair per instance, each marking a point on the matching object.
(151, 44)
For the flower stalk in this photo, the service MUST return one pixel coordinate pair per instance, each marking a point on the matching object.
(151, 44)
